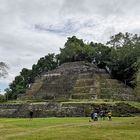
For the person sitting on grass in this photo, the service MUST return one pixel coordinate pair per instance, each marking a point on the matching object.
(91, 117)
(102, 115)
(95, 115)
(110, 115)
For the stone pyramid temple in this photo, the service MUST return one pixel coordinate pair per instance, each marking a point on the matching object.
(78, 80)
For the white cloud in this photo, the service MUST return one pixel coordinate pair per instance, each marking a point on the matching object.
(21, 44)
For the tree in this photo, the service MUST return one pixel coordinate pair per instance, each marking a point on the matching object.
(76, 50)
(72, 50)
(101, 55)
(124, 54)
(120, 40)
(8, 94)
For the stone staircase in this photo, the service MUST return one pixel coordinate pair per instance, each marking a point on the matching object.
(84, 87)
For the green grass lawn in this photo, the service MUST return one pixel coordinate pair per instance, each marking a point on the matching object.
(69, 129)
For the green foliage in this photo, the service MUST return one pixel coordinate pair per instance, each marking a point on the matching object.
(76, 50)
(102, 55)
(9, 94)
(72, 50)
(120, 40)
(44, 64)
(124, 54)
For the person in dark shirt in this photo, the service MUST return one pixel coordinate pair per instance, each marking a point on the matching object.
(30, 111)
(31, 114)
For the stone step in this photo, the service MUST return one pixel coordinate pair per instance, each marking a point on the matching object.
(112, 85)
(111, 80)
(105, 76)
(117, 93)
(85, 79)
(84, 82)
(34, 89)
(84, 93)
(85, 76)
(117, 90)
(84, 96)
(119, 97)
(82, 89)
(34, 85)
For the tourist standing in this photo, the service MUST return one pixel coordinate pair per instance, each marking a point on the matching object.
(31, 112)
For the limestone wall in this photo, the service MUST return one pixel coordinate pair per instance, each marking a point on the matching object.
(65, 109)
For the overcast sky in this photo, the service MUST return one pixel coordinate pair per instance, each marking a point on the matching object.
(30, 29)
